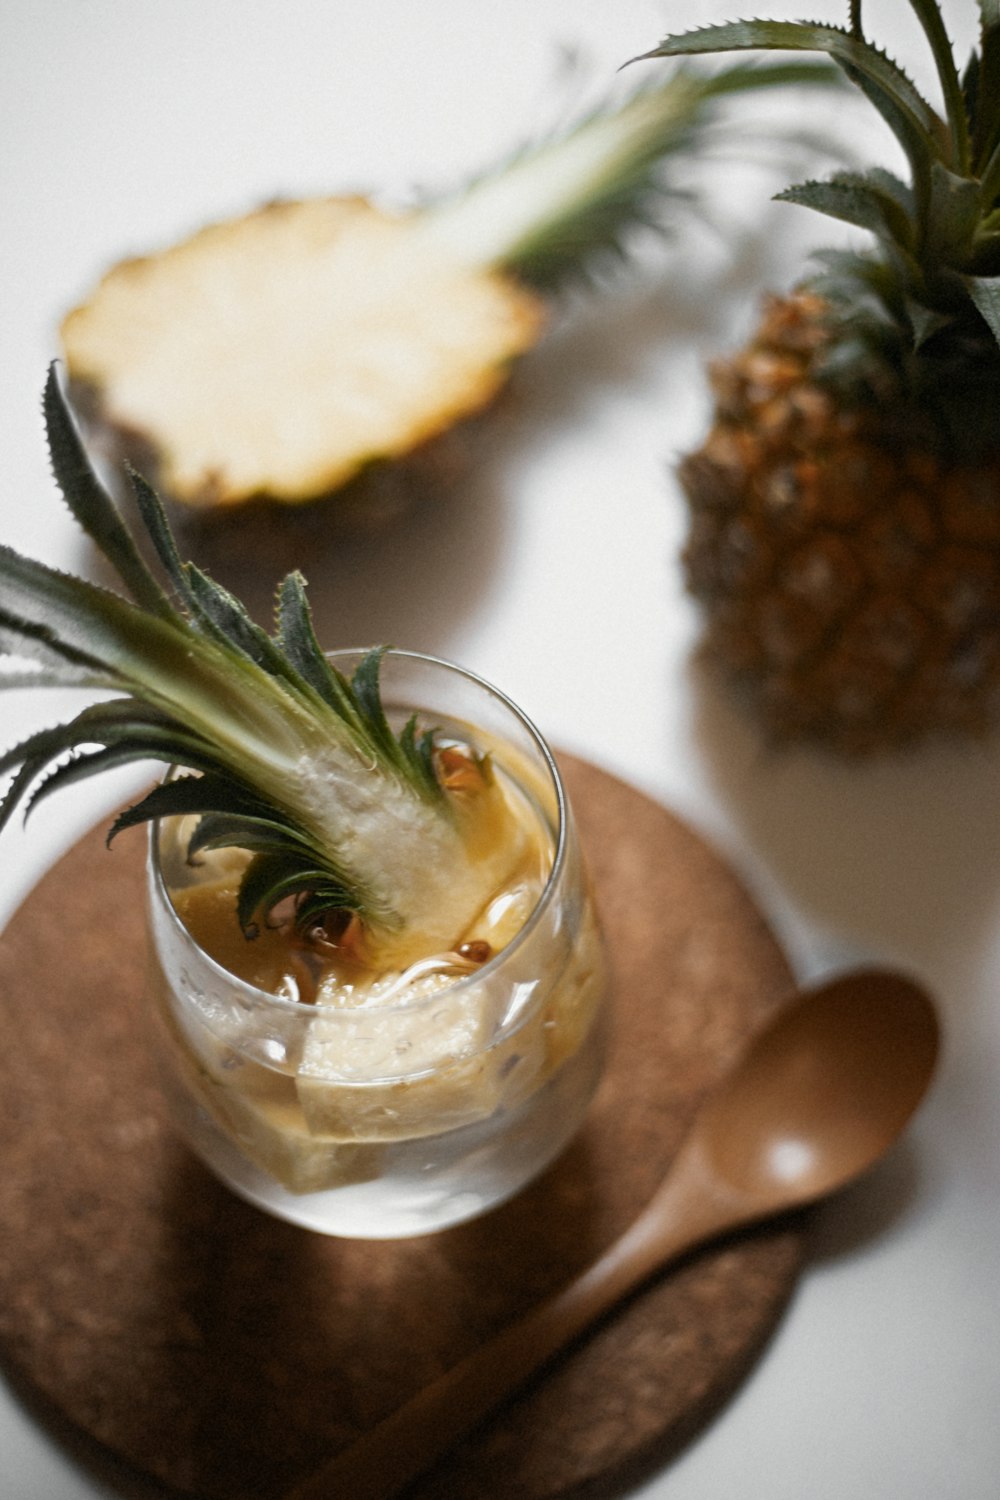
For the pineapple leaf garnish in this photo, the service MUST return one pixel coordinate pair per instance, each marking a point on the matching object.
(85, 497)
(276, 737)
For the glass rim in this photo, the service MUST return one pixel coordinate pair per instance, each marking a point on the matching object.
(462, 982)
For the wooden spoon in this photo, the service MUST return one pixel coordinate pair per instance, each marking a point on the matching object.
(818, 1097)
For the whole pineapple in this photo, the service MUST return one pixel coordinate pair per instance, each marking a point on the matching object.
(845, 507)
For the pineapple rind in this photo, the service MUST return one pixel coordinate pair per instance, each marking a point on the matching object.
(324, 331)
(847, 564)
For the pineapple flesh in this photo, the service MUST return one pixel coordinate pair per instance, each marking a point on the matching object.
(259, 311)
(844, 541)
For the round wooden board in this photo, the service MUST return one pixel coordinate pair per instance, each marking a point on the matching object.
(225, 1353)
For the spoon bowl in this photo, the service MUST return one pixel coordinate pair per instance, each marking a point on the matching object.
(817, 1099)
(822, 1093)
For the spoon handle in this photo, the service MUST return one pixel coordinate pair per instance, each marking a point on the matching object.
(423, 1429)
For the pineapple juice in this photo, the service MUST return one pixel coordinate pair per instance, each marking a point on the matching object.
(380, 1103)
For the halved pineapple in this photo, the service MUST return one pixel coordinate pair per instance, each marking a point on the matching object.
(278, 355)
(326, 332)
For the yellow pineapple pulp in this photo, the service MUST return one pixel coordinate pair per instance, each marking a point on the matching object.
(259, 311)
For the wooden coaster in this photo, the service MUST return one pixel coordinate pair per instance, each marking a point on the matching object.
(225, 1353)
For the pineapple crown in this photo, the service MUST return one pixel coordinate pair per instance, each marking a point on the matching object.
(560, 207)
(927, 303)
(202, 687)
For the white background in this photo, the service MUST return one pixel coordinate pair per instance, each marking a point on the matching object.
(554, 572)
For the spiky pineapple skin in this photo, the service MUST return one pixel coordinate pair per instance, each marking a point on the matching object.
(847, 563)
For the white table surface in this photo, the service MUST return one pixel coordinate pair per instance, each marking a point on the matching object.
(554, 572)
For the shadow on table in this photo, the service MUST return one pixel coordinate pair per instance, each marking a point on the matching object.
(896, 855)
(893, 859)
(869, 1209)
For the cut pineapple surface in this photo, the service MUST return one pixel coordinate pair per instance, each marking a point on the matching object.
(327, 333)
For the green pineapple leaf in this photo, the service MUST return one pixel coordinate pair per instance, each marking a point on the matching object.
(223, 618)
(277, 875)
(186, 796)
(859, 200)
(296, 640)
(219, 830)
(928, 13)
(419, 753)
(983, 91)
(954, 214)
(275, 737)
(157, 528)
(919, 128)
(985, 293)
(57, 665)
(92, 506)
(939, 241)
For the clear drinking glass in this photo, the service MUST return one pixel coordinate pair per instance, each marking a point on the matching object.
(417, 1113)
